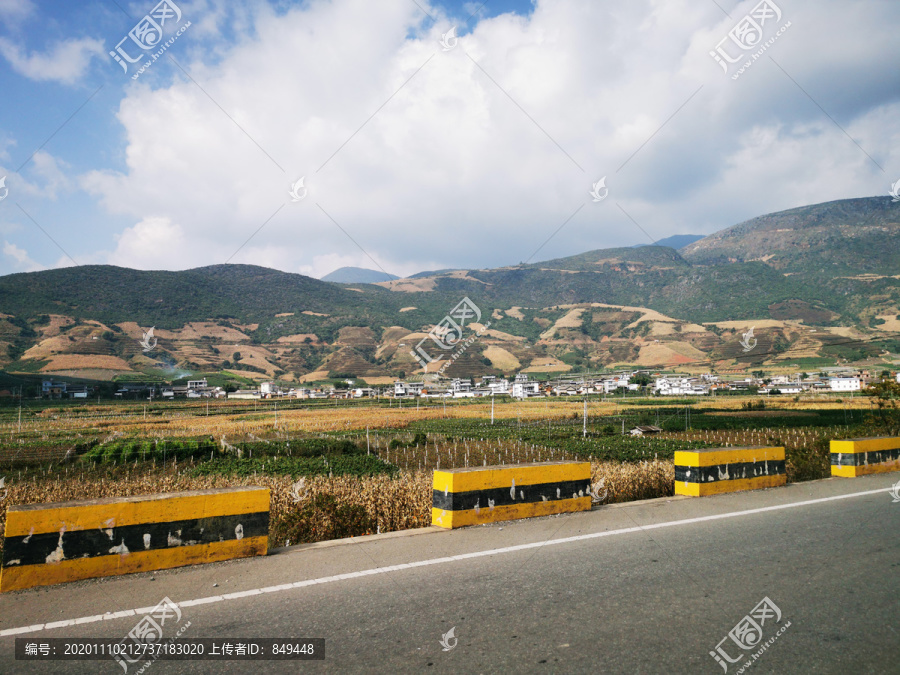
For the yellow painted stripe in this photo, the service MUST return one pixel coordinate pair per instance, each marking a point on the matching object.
(721, 486)
(451, 519)
(41, 518)
(852, 446)
(27, 576)
(487, 477)
(717, 456)
(864, 470)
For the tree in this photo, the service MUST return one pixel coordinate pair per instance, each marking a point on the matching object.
(885, 395)
(236, 356)
(642, 379)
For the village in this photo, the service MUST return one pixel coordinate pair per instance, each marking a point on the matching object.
(522, 386)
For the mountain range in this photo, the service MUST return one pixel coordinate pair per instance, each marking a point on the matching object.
(818, 284)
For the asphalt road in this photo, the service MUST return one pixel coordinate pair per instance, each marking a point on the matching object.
(648, 587)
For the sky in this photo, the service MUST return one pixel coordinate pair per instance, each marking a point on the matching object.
(407, 135)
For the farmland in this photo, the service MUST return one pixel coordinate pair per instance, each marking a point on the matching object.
(366, 466)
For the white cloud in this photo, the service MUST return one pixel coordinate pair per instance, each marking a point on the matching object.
(23, 263)
(154, 243)
(476, 155)
(65, 62)
(53, 173)
(14, 11)
(50, 177)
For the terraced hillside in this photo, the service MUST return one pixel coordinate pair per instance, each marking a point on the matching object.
(817, 283)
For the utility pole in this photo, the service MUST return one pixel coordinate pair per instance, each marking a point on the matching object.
(492, 409)
(584, 429)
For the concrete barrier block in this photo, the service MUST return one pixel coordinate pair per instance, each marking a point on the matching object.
(53, 543)
(861, 456)
(712, 471)
(478, 495)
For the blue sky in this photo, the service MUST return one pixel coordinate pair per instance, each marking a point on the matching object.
(418, 152)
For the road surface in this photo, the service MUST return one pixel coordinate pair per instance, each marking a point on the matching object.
(647, 587)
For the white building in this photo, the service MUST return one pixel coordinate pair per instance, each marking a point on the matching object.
(525, 389)
(497, 386)
(242, 394)
(672, 386)
(679, 386)
(844, 384)
(607, 386)
(460, 385)
(789, 388)
(197, 384)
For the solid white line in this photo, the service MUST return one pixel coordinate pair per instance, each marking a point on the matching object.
(436, 561)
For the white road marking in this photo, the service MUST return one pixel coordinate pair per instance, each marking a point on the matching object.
(433, 561)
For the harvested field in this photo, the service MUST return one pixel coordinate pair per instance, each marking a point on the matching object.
(60, 362)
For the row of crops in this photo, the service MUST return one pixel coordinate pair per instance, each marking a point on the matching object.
(297, 457)
(144, 450)
(347, 465)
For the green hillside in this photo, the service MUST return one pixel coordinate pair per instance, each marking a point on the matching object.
(827, 265)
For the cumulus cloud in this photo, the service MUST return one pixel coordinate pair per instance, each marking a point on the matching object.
(65, 62)
(476, 155)
(154, 243)
(23, 263)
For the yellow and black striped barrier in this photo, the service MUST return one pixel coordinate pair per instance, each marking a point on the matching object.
(861, 456)
(478, 495)
(52, 543)
(712, 471)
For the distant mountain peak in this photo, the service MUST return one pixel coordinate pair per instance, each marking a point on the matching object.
(676, 241)
(357, 275)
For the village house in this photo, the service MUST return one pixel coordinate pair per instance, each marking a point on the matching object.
(247, 394)
(845, 383)
(51, 389)
(523, 388)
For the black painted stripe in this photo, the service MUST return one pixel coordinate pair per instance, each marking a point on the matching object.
(736, 471)
(525, 494)
(863, 458)
(34, 549)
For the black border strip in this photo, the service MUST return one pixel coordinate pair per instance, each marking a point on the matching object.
(93, 543)
(735, 470)
(864, 458)
(525, 494)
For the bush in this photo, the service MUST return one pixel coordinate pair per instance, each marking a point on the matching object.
(323, 518)
(420, 438)
(807, 463)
